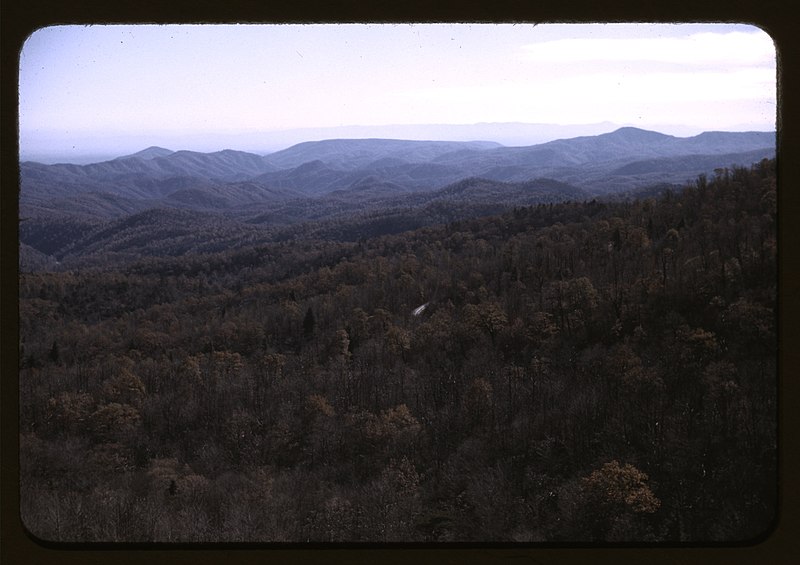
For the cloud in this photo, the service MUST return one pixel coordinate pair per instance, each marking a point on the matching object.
(711, 98)
(735, 49)
(739, 84)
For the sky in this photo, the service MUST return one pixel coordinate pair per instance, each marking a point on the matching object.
(115, 89)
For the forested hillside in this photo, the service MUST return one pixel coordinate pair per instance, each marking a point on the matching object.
(356, 171)
(584, 370)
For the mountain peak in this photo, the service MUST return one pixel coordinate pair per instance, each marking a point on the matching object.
(150, 153)
(635, 134)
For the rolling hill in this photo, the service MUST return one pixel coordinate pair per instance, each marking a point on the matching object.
(341, 188)
(321, 167)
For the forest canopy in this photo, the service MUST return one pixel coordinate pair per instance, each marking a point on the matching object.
(582, 371)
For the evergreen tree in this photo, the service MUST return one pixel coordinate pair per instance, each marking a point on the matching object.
(55, 355)
(309, 322)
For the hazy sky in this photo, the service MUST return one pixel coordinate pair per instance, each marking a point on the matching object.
(82, 86)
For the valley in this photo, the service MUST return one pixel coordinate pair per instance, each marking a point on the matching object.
(377, 341)
(379, 186)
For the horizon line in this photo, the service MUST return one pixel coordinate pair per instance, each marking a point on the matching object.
(83, 157)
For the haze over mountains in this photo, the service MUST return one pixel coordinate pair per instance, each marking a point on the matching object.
(377, 185)
(50, 147)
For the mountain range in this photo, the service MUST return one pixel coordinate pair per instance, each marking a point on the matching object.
(375, 185)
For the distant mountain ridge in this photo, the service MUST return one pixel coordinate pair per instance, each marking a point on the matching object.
(356, 153)
(160, 202)
(149, 153)
(622, 160)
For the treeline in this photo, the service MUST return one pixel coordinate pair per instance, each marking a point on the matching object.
(86, 239)
(581, 371)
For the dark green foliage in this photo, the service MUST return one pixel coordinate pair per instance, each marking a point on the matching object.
(582, 371)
